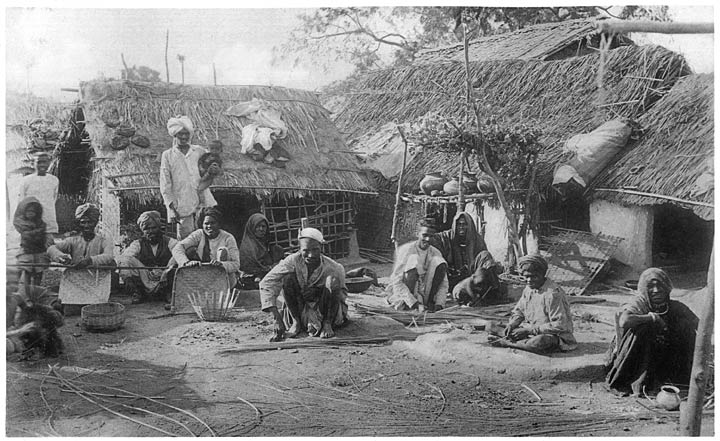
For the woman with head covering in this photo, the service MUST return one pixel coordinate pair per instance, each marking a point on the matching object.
(541, 321)
(34, 241)
(87, 248)
(180, 178)
(658, 338)
(209, 244)
(460, 247)
(153, 249)
(483, 287)
(257, 256)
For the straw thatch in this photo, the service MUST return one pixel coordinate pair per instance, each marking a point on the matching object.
(561, 98)
(676, 149)
(546, 41)
(318, 162)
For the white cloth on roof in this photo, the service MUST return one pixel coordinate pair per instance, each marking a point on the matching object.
(266, 124)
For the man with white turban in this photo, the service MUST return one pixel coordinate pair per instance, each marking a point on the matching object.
(313, 287)
(88, 248)
(179, 177)
(152, 250)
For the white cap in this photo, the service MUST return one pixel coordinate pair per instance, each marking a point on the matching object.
(311, 233)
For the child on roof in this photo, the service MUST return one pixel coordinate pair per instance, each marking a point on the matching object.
(209, 166)
(34, 241)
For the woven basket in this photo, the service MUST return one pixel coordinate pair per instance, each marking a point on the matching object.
(194, 280)
(213, 306)
(102, 317)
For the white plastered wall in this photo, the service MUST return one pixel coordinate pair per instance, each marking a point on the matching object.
(634, 224)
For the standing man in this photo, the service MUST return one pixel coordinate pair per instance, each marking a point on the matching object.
(179, 177)
(313, 288)
(44, 187)
(541, 322)
(419, 277)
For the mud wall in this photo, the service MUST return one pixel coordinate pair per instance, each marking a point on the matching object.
(633, 224)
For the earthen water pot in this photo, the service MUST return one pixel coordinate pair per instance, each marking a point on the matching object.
(431, 182)
(451, 187)
(668, 398)
(485, 183)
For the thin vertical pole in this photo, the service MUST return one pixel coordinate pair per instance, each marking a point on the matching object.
(396, 213)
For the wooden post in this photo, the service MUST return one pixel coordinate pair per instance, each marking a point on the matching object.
(691, 417)
(181, 58)
(167, 68)
(461, 178)
(214, 75)
(126, 72)
(396, 213)
(656, 27)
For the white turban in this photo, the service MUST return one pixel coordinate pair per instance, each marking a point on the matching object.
(311, 233)
(174, 125)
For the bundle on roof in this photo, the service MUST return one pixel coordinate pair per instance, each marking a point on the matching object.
(317, 160)
(675, 155)
(560, 98)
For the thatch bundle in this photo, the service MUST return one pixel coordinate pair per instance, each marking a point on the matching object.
(561, 98)
(675, 150)
(318, 162)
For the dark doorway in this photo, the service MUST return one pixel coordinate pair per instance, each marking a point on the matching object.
(236, 209)
(681, 239)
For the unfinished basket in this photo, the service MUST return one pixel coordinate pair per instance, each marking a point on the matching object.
(213, 306)
(196, 279)
(102, 317)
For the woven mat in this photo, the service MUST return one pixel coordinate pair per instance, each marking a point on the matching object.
(84, 286)
(196, 279)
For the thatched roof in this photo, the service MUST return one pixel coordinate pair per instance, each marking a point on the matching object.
(546, 41)
(318, 162)
(562, 98)
(676, 149)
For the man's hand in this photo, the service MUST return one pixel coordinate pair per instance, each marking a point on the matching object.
(519, 333)
(173, 215)
(216, 263)
(191, 263)
(279, 326)
(65, 259)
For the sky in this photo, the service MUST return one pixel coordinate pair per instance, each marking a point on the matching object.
(49, 49)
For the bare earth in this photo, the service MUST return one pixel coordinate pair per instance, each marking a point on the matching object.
(167, 375)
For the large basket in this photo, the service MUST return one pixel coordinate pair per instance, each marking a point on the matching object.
(102, 317)
(194, 280)
(213, 306)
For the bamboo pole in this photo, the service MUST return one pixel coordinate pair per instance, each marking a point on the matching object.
(396, 212)
(655, 195)
(126, 72)
(691, 417)
(461, 183)
(214, 76)
(656, 27)
(167, 68)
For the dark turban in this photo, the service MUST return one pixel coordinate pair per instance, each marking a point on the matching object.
(208, 211)
(534, 260)
(149, 218)
(90, 211)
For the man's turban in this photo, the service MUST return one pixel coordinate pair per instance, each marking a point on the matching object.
(89, 211)
(311, 233)
(174, 125)
(535, 260)
(149, 218)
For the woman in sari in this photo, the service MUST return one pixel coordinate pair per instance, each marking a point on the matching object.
(257, 256)
(658, 338)
(460, 247)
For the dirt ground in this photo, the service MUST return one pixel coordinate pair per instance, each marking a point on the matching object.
(164, 375)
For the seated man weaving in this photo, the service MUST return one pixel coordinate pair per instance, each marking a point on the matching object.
(87, 248)
(419, 277)
(313, 287)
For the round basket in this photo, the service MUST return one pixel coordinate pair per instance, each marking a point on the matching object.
(358, 284)
(102, 317)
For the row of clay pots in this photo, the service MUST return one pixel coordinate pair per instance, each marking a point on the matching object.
(434, 183)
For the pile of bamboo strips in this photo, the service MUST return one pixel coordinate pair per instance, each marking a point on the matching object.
(213, 306)
(452, 314)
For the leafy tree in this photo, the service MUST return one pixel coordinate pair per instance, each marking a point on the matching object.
(373, 37)
(141, 73)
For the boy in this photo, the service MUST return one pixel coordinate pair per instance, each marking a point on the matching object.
(44, 187)
(209, 166)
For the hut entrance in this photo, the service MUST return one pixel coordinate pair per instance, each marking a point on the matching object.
(330, 213)
(680, 238)
(236, 208)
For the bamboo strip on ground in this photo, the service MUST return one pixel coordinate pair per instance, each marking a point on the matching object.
(321, 343)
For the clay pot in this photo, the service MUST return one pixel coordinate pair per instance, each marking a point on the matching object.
(451, 187)
(469, 184)
(140, 141)
(431, 182)
(668, 398)
(485, 183)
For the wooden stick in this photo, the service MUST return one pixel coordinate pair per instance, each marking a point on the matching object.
(54, 265)
(656, 27)
(655, 195)
(251, 187)
(167, 42)
(396, 212)
(691, 417)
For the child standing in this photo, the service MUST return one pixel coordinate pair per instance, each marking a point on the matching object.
(44, 187)
(34, 241)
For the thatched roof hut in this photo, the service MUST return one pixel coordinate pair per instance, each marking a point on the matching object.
(546, 41)
(561, 98)
(318, 162)
(675, 151)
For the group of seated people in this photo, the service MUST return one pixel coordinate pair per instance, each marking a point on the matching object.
(655, 344)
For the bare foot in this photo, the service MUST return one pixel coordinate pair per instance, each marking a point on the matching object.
(327, 331)
(293, 331)
(313, 331)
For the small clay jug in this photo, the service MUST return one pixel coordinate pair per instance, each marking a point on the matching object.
(452, 187)
(485, 183)
(668, 398)
(431, 182)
